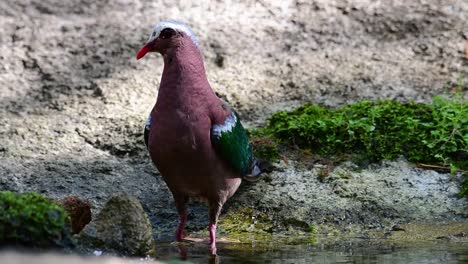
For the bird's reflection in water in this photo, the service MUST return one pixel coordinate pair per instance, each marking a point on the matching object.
(214, 259)
(210, 254)
(352, 251)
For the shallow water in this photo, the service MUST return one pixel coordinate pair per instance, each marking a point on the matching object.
(356, 251)
(344, 252)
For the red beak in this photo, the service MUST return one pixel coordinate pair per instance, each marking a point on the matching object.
(147, 48)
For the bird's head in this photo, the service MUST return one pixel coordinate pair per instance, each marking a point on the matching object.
(165, 35)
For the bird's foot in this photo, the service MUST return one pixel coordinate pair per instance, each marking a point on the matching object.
(213, 249)
(212, 230)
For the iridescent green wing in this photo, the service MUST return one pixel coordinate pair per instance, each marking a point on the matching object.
(231, 142)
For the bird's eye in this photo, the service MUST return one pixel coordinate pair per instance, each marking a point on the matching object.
(154, 34)
(167, 33)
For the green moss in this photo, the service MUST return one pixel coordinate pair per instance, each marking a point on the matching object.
(245, 220)
(300, 225)
(247, 225)
(434, 133)
(32, 220)
(265, 147)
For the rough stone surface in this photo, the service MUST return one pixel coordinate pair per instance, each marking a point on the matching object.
(377, 197)
(121, 225)
(73, 99)
(79, 211)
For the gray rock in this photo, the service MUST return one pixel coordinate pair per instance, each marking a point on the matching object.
(122, 225)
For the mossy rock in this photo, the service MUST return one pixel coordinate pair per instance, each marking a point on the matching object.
(32, 220)
(435, 133)
(79, 211)
(122, 226)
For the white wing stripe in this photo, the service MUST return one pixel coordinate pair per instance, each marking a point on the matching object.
(227, 126)
(148, 122)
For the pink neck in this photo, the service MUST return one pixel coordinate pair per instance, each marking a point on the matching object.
(184, 73)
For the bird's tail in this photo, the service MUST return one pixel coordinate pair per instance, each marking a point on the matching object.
(258, 167)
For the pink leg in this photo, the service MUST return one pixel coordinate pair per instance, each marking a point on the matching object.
(212, 230)
(215, 206)
(180, 229)
(180, 201)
